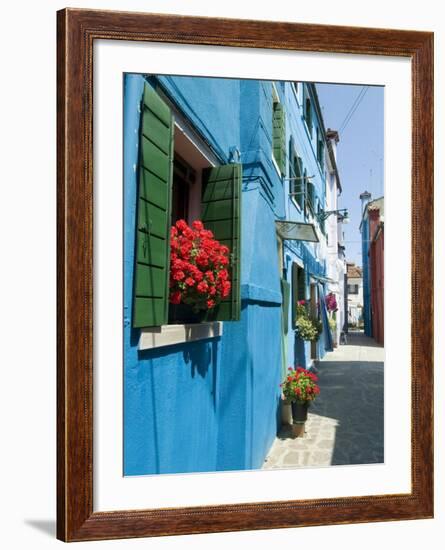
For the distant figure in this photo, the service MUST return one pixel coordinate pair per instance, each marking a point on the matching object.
(343, 339)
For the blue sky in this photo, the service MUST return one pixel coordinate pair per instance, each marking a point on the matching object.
(360, 158)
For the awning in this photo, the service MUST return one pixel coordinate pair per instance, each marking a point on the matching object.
(322, 279)
(296, 231)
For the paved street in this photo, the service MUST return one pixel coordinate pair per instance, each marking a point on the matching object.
(345, 423)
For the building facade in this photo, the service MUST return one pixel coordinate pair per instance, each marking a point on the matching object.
(354, 291)
(242, 156)
(376, 266)
(336, 262)
(365, 197)
(371, 228)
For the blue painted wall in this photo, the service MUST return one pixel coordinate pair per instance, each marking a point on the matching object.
(309, 254)
(214, 404)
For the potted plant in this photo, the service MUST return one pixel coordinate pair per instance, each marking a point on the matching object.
(199, 276)
(299, 389)
(332, 307)
(307, 327)
(331, 302)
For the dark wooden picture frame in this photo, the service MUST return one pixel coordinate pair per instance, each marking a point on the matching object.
(77, 31)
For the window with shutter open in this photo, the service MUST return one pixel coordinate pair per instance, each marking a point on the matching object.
(307, 106)
(221, 213)
(296, 174)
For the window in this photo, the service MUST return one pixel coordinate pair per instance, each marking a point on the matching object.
(320, 148)
(310, 194)
(298, 182)
(167, 190)
(353, 289)
(184, 178)
(279, 135)
(296, 176)
(307, 110)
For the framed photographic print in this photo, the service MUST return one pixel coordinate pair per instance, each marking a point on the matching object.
(245, 231)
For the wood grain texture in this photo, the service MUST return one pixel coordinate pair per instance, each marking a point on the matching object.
(77, 30)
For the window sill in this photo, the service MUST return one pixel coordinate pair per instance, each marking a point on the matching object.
(168, 335)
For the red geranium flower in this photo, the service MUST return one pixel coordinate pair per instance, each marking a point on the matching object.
(202, 259)
(188, 233)
(199, 274)
(181, 225)
(202, 287)
(299, 385)
(178, 275)
(198, 225)
(226, 289)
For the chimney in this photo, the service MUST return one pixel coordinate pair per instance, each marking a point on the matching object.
(365, 197)
(332, 136)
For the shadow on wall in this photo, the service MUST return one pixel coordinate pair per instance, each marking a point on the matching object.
(352, 393)
(161, 379)
(201, 357)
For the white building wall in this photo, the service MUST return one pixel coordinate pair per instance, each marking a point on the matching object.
(355, 301)
(336, 266)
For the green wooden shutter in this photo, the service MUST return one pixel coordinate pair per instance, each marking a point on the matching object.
(298, 288)
(301, 289)
(150, 306)
(285, 292)
(294, 292)
(221, 213)
(279, 136)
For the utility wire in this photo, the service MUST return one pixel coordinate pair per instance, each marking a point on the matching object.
(361, 92)
(353, 108)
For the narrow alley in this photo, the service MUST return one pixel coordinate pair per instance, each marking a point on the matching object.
(345, 423)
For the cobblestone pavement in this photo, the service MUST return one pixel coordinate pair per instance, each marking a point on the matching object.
(345, 423)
